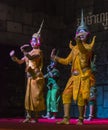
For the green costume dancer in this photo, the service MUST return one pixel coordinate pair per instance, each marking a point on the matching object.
(93, 90)
(53, 97)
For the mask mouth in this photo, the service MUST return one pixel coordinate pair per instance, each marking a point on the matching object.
(35, 45)
(82, 34)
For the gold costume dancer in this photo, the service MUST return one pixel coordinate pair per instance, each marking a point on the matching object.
(82, 79)
(34, 99)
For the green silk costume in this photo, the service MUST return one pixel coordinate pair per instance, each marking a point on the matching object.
(53, 96)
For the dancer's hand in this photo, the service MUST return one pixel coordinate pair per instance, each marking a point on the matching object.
(53, 54)
(12, 53)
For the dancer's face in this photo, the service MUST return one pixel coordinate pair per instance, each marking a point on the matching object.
(35, 42)
(82, 34)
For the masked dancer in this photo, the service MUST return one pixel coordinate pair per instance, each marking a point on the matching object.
(34, 99)
(82, 78)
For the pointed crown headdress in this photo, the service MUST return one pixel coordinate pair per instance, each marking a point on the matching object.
(36, 35)
(82, 24)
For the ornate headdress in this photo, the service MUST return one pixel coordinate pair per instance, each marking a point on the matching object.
(36, 36)
(82, 25)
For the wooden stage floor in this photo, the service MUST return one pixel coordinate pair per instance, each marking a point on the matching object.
(49, 124)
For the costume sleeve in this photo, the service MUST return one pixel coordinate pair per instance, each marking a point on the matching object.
(93, 42)
(64, 61)
(88, 48)
(17, 60)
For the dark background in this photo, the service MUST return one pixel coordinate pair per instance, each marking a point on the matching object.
(20, 19)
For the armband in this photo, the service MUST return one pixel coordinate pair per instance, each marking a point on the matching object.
(14, 58)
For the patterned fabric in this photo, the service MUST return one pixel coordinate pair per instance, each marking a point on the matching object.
(78, 85)
(34, 99)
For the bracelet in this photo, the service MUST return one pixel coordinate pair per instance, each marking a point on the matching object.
(14, 59)
(55, 57)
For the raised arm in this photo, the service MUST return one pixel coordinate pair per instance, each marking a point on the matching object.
(15, 59)
(64, 61)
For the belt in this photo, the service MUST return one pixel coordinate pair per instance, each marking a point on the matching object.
(76, 72)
